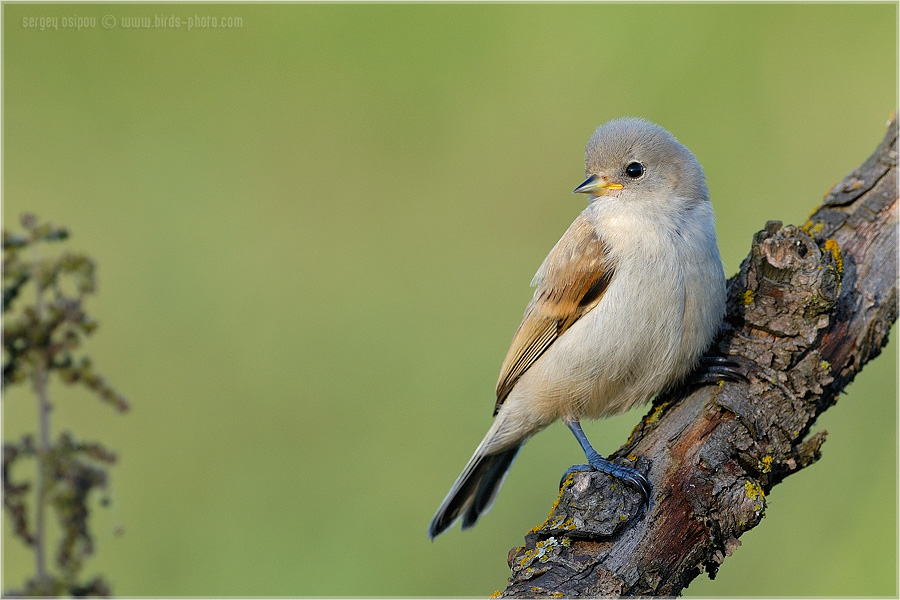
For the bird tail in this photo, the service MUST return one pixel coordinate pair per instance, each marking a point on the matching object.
(476, 488)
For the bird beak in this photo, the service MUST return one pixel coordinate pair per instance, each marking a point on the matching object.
(597, 186)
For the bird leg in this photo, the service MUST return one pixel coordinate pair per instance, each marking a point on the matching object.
(626, 474)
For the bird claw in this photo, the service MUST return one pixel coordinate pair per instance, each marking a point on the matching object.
(714, 369)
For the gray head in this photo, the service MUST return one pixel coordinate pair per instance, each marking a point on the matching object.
(635, 159)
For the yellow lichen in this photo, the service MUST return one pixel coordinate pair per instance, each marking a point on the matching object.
(547, 524)
(559, 523)
(657, 412)
(753, 490)
(813, 228)
(833, 247)
(527, 557)
(541, 552)
(766, 464)
(497, 594)
(747, 297)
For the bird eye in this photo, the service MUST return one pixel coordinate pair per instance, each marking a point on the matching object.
(634, 169)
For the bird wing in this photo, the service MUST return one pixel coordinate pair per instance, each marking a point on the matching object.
(570, 282)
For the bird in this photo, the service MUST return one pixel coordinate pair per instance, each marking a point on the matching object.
(624, 308)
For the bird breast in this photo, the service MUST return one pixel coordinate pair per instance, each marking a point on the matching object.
(658, 315)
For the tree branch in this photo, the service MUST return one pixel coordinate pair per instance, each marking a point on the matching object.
(809, 307)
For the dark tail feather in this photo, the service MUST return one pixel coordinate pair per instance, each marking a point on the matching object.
(474, 491)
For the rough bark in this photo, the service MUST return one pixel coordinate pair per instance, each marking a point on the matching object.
(809, 307)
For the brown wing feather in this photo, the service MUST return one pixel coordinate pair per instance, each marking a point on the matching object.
(570, 283)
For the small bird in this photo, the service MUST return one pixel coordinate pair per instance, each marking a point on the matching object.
(625, 305)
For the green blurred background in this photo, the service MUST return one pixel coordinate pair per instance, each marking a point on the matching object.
(315, 234)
